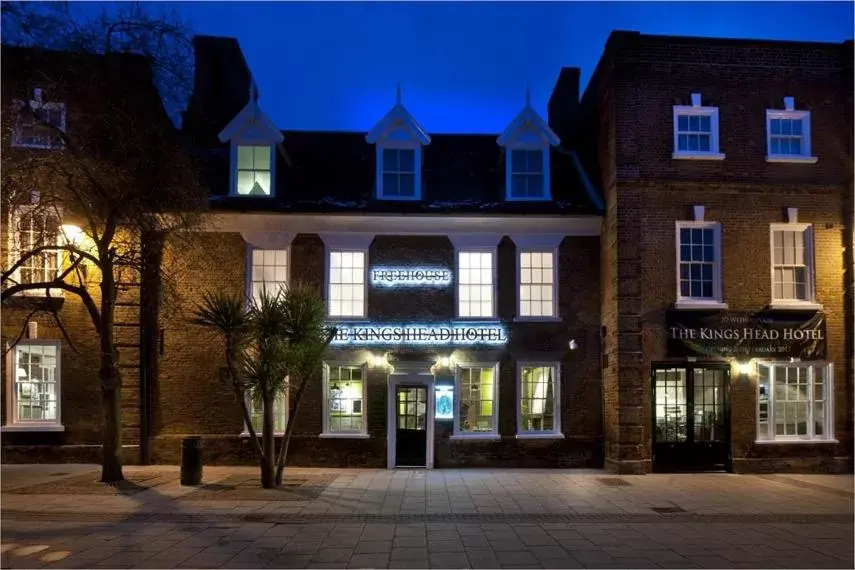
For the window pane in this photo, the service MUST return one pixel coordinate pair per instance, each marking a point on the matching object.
(683, 123)
(347, 283)
(37, 228)
(476, 392)
(537, 399)
(36, 391)
(280, 413)
(682, 142)
(262, 157)
(345, 399)
(245, 158)
(706, 125)
(536, 284)
(407, 185)
(475, 284)
(797, 127)
(407, 160)
(390, 160)
(269, 271)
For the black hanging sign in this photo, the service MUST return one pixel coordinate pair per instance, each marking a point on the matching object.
(745, 335)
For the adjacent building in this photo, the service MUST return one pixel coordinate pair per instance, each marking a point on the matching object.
(657, 277)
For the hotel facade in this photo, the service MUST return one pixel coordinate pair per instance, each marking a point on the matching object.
(653, 277)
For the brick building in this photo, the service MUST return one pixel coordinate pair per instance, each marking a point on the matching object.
(499, 303)
(726, 166)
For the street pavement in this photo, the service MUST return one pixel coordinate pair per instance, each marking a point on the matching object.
(58, 516)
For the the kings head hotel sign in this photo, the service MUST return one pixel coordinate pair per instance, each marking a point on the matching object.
(746, 335)
(419, 334)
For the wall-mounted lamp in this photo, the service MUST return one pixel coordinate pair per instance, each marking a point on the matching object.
(378, 361)
(71, 234)
(445, 362)
(572, 345)
(744, 368)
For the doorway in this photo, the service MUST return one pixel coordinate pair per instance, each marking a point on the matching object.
(410, 421)
(691, 417)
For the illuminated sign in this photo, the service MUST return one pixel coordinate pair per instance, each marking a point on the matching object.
(419, 334)
(410, 277)
(444, 409)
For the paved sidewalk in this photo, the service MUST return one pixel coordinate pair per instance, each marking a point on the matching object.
(55, 516)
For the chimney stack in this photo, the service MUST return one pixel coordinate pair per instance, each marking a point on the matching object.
(563, 106)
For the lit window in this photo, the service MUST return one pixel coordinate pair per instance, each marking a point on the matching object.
(344, 404)
(399, 173)
(696, 131)
(34, 228)
(792, 271)
(35, 394)
(269, 271)
(794, 402)
(347, 283)
(475, 284)
(788, 136)
(253, 170)
(698, 262)
(538, 411)
(280, 412)
(537, 284)
(477, 400)
(527, 177)
(37, 126)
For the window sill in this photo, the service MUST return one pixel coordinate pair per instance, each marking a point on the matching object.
(700, 305)
(793, 441)
(236, 195)
(698, 156)
(343, 436)
(538, 319)
(793, 159)
(781, 306)
(475, 437)
(540, 436)
(259, 434)
(32, 428)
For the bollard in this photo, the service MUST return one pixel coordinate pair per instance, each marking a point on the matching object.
(191, 461)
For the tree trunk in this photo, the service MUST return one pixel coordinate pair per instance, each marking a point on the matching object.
(268, 459)
(111, 382)
(289, 429)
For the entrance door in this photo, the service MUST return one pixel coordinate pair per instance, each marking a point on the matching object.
(691, 418)
(411, 414)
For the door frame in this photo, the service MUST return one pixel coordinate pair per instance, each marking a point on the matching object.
(428, 380)
(689, 367)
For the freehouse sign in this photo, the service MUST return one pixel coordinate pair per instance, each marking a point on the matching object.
(746, 335)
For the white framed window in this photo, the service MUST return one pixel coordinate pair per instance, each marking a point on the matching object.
(476, 411)
(347, 283)
(253, 170)
(345, 399)
(795, 401)
(399, 178)
(280, 412)
(696, 132)
(528, 174)
(33, 385)
(788, 134)
(538, 284)
(35, 227)
(538, 399)
(476, 283)
(792, 264)
(698, 264)
(36, 127)
(268, 271)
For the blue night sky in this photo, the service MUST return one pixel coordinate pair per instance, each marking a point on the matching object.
(463, 67)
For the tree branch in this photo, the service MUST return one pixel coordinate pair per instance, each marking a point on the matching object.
(36, 251)
(79, 291)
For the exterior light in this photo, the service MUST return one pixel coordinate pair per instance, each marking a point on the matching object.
(444, 361)
(378, 361)
(572, 344)
(71, 234)
(744, 368)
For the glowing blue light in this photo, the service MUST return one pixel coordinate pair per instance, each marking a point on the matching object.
(410, 276)
(444, 408)
(359, 334)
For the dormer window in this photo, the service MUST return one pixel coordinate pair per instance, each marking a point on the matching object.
(527, 141)
(398, 166)
(788, 134)
(253, 170)
(38, 126)
(696, 131)
(399, 140)
(527, 174)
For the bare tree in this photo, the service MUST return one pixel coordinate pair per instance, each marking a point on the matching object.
(108, 174)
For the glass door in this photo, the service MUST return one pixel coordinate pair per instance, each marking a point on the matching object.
(411, 426)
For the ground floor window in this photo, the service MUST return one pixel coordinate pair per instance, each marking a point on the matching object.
(35, 383)
(477, 401)
(794, 401)
(280, 412)
(537, 409)
(344, 399)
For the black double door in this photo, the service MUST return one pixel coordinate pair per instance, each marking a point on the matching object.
(411, 426)
(691, 417)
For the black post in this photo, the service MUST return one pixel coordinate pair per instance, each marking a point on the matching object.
(191, 461)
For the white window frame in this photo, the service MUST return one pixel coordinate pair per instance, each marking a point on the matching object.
(14, 250)
(391, 144)
(259, 430)
(13, 422)
(694, 302)
(810, 268)
(234, 167)
(697, 111)
(326, 433)
(494, 258)
(828, 425)
(458, 432)
(556, 432)
(249, 265)
(328, 284)
(35, 104)
(805, 156)
(546, 193)
(554, 316)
